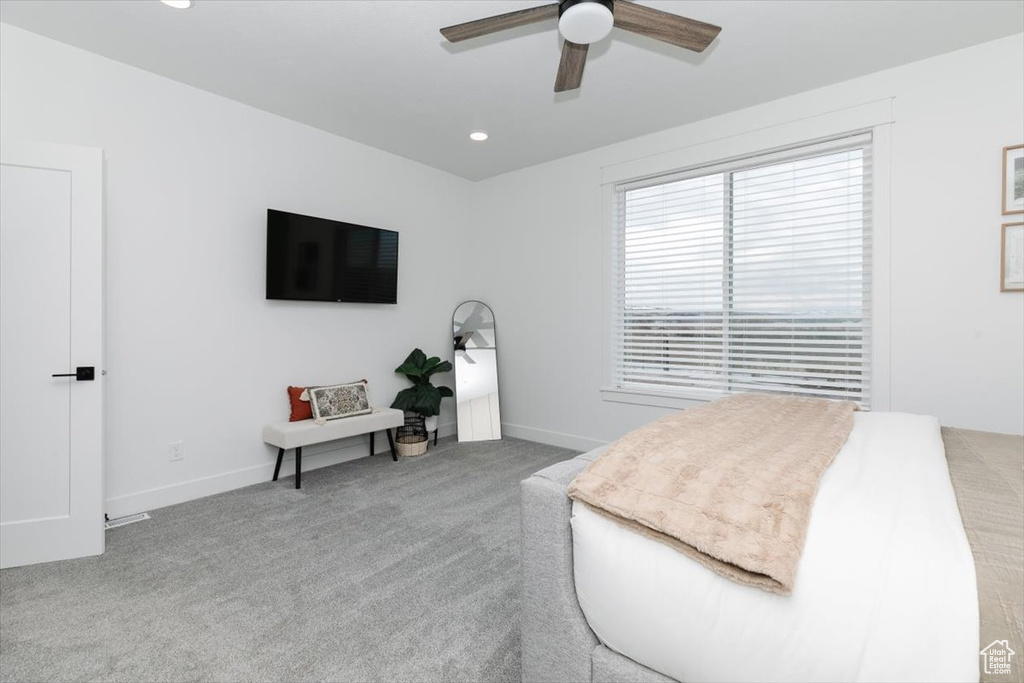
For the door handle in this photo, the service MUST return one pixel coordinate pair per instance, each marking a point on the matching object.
(83, 373)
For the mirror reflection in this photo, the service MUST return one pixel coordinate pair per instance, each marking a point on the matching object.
(476, 372)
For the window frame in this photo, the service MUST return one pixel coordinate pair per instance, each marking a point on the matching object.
(755, 148)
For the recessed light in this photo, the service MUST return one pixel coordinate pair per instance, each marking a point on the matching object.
(178, 4)
(478, 135)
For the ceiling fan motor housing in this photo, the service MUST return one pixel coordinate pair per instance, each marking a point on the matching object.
(585, 21)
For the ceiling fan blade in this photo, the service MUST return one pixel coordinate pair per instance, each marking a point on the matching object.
(570, 68)
(669, 28)
(481, 27)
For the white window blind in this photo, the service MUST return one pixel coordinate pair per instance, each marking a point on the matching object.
(752, 275)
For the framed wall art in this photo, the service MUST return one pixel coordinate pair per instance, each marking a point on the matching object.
(1011, 269)
(1013, 180)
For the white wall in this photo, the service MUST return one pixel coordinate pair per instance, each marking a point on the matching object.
(194, 351)
(956, 343)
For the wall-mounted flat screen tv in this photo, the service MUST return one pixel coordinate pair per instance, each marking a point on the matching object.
(315, 259)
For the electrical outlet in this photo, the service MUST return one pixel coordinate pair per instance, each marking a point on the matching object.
(176, 451)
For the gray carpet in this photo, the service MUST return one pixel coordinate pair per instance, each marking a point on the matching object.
(373, 571)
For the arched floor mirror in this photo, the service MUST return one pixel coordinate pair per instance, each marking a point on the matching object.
(476, 372)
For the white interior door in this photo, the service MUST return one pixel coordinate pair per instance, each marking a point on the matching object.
(51, 322)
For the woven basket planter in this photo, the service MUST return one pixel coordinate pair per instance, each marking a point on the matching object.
(409, 446)
(411, 438)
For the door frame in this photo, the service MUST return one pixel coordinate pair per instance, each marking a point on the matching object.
(87, 461)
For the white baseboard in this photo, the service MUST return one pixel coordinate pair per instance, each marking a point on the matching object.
(181, 492)
(580, 443)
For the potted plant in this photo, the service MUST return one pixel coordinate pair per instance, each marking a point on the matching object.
(420, 401)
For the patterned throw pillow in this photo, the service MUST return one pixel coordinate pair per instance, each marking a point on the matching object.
(339, 400)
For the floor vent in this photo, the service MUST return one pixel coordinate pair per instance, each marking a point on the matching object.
(130, 519)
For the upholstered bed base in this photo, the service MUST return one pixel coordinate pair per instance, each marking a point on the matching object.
(558, 645)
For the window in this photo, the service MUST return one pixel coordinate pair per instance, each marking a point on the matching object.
(752, 275)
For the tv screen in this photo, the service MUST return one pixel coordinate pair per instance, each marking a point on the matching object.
(315, 259)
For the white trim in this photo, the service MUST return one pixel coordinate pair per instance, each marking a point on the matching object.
(767, 157)
(653, 398)
(608, 230)
(749, 142)
(881, 266)
(193, 489)
(545, 436)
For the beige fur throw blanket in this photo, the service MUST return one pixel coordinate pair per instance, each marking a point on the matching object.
(730, 484)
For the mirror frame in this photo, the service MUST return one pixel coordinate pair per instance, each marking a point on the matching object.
(497, 374)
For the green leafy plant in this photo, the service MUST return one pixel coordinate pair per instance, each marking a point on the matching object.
(422, 397)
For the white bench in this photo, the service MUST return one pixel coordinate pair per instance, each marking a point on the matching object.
(288, 435)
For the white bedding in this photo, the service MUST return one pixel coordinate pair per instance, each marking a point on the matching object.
(885, 589)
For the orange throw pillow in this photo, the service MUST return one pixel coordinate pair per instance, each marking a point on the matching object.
(301, 410)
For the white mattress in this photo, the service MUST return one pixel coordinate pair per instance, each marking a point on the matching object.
(885, 590)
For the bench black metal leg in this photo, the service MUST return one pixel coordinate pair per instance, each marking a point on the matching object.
(391, 442)
(435, 437)
(371, 443)
(298, 467)
(277, 467)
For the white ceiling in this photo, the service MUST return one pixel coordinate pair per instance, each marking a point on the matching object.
(378, 71)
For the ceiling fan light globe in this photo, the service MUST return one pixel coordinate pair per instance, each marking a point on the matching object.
(586, 22)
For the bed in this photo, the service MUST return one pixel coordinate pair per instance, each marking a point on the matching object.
(901, 602)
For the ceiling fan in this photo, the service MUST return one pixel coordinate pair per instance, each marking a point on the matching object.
(582, 22)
